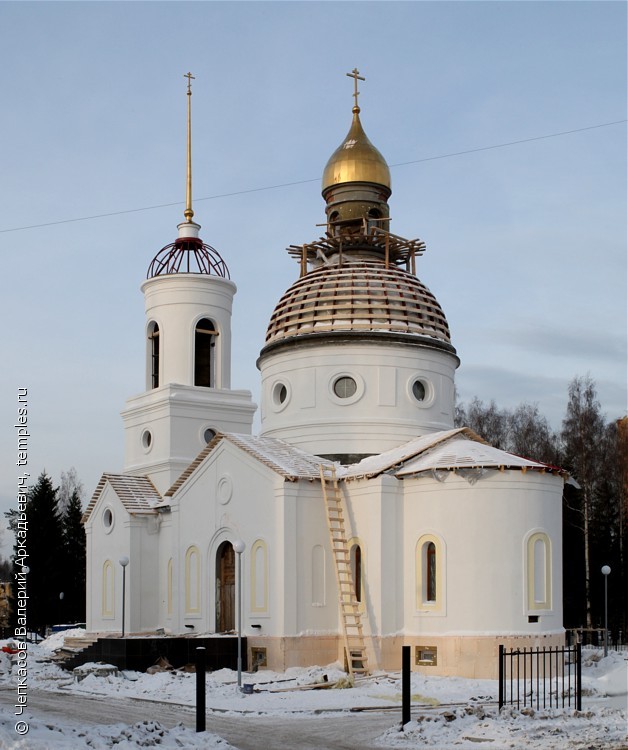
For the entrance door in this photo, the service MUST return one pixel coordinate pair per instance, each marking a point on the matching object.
(225, 588)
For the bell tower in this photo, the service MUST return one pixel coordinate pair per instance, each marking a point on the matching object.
(188, 299)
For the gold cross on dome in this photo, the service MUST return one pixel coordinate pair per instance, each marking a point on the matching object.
(355, 74)
(190, 78)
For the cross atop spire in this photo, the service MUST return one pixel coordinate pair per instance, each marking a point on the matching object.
(190, 78)
(355, 74)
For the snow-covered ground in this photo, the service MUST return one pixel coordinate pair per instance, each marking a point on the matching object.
(447, 712)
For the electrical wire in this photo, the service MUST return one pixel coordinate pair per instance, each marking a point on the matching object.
(315, 179)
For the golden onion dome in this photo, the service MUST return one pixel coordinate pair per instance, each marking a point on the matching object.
(356, 159)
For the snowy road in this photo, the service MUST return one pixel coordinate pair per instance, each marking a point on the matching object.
(329, 731)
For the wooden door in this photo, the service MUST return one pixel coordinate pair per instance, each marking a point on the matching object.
(225, 588)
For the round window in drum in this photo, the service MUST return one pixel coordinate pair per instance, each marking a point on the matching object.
(345, 387)
(419, 390)
(280, 394)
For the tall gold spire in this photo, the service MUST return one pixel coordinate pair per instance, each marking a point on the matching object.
(188, 213)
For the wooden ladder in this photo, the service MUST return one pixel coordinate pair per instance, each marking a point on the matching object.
(355, 650)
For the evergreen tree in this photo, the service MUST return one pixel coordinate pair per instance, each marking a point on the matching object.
(45, 553)
(73, 603)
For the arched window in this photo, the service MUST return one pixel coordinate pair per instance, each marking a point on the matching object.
(373, 216)
(539, 571)
(204, 342)
(259, 577)
(192, 581)
(169, 588)
(430, 572)
(318, 576)
(355, 562)
(108, 598)
(153, 338)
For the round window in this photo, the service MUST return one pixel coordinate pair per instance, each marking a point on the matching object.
(345, 387)
(209, 435)
(280, 394)
(147, 439)
(418, 390)
(107, 519)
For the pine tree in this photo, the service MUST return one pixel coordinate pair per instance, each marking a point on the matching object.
(73, 604)
(44, 547)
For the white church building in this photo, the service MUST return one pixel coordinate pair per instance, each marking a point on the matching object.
(367, 521)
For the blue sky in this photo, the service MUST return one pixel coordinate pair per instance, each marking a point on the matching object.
(526, 244)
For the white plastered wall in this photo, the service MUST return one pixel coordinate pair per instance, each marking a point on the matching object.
(381, 415)
(135, 537)
(176, 302)
(484, 527)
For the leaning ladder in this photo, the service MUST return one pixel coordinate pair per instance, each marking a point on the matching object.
(355, 650)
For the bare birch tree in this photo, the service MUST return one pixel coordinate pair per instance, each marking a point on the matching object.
(583, 438)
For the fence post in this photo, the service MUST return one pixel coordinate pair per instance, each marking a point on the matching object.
(579, 677)
(200, 689)
(405, 685)
(501, 676)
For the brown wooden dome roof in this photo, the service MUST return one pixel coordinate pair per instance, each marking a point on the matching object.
(358, 297)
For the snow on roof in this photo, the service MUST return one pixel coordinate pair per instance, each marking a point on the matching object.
(450, 449)
(460, 452)
(374, 465)
(291, 463)
(138, 494)
(280, 456)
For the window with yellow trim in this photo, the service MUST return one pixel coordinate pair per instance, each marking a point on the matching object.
(169, 588)
(355, 562)
(318, 576)
(108, 598)
(430, 574)
(192, 581)
(259, 577)
(539, 571)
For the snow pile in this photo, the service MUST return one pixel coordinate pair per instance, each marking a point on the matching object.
(56, 640)
(449, 713)
(465, 727)
(147, 734)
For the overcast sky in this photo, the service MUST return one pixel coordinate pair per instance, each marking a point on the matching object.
(526, 244)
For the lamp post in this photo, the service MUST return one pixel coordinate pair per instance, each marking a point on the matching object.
(605, 572)
(238, 548)
(124, 561)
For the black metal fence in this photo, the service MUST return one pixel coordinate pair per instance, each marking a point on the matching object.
(595, 637)
(541, 677)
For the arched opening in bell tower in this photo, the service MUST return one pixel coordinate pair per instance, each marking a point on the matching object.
(204, 347)
(153, 342)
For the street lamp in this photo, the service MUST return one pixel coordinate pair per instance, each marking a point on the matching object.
(238, 548)
(124, 561)
(605, 572)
